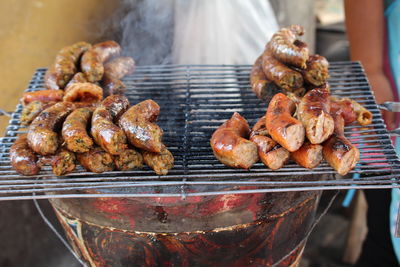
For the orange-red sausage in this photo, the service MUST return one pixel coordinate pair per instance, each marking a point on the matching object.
(350, 110)
(230, 145)
(83, 92)
(22, 158)
(282, 127)
(42, 96)
(316, 72)
(308, 155)
(261, 86)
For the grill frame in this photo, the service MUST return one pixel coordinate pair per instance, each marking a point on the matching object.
(202, 97)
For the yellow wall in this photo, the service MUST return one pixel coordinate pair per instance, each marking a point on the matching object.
(31, 33)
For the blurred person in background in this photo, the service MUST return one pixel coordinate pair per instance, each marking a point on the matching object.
(374, 36)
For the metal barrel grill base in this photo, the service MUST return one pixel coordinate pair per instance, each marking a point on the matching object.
(235, 230)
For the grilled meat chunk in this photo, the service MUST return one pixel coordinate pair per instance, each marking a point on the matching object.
(83, 92)
(32, 110)
(160, 162)
(22, 157)
(75, 130)
(128, 159)
(261, 86)
(96, 160)
(42, 96)
(308, 155)
(316, 72)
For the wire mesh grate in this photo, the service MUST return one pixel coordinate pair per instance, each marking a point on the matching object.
(195, 100)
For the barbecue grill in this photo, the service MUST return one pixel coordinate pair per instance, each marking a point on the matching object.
(194, 101)
(201, 213)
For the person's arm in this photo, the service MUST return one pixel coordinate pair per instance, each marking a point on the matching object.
(365, 31)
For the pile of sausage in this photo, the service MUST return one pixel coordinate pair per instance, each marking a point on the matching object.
(70, 121)
(287, 66)
(305, 129)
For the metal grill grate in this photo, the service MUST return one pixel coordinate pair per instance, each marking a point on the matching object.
(194, 101)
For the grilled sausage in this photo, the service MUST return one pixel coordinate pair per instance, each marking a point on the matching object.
(270, 152)
(338, 151)
(280, 74)
(42, 133)
(282, 127)
(287, 49)
(83, 92)
(22, 158)
(32, 110)
(63, 162)
(79, 77)
(159, 162)
(263, 88)
(93, 59)
(106, 134)
(230, 145)
(96, 160)
(316, 72)
(112, 86)
(74, 130)
(138, 125)
(64, 67)
(313, 112)
(308, 155)
(351, 111)
(42, 96)
(119, 67)
(128, 159)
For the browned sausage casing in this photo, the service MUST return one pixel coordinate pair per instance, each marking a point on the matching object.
(281, 74)
(338, 151)
(308, 155)
(93, 59)
(42, 96)
(270, 152)
(313, 111)
(230, 145)
(282, 127)
(42, 133)
(316, 72)
(350, 110)
(261, 86)
(113, 86)
(79, 77)
(96, 160)
(138, 125)
(22, 158)
(64, 67)
(75, 130)
(128, 159)
(63, 162)
(119, 67)
(159, 162)
(287, 49)
(83, 92)
(32, 110)
(106, 134)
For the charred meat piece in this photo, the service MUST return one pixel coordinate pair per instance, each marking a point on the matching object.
(96, 160)
(314, 112)
(350, 110)
(65, 65)
(280, 74)
(75, 130)
(42, 96)
(316, 72)
(308, 155)
(106, 134)
(62, 162)
(286, 48)
(128, 159)
(338, 151)
(93, 59)
(42, 133)
(261, 86)
(159, 162)
(138, 125)
(22, 157)
(230, 145)
(270, 152)
(282, 127)
(79, 77)
(32, 110)
(119, 67)
(83, 92)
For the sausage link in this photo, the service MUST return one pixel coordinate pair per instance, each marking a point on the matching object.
(32, 110)
(316, 72)
(286, 48)
(139, 127)
(83, 92)
(230, 145)
(64, 67)
(313, 111)
(159, 162)
(128, 159)
(42, 96)
(42, 133)
(105, 133)
(74, 130)
(282, 127)
(63, 162)
(261, 86)
(350, 110)
(119, 67)
(22, 158)
(79, 77)
(112, 86)
(96, 160)
(308, 155)
(93, 59)
(281, 74)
